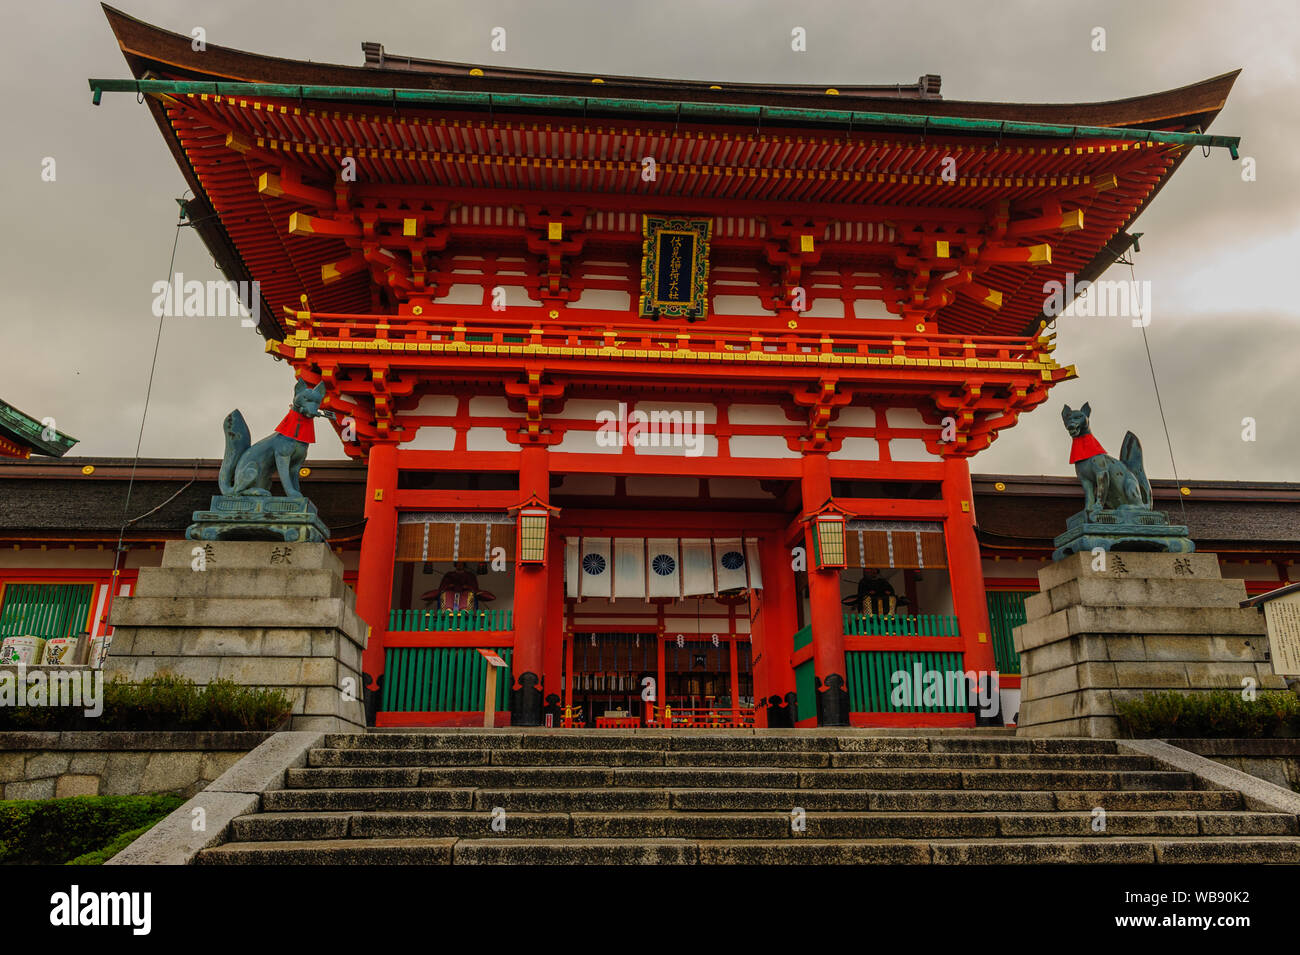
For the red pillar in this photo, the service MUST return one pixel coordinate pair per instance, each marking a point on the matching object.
(774, 634)
(553, 637)
(378, 548)
(661, 688)
(826, 611)
(965, 569)
(735, 678)
(531, 592)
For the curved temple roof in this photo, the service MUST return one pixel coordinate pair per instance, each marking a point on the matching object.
(224, 143)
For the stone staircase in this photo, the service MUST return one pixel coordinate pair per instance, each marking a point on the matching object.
(577, 796)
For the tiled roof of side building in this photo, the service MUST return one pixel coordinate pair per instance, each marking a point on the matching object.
(55, 499)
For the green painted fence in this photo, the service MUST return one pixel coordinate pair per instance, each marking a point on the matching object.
(1006, 612)
(872, 682)
(45, 610)
(805, 679)
(450, 621)
(900, 625)
(440, 680)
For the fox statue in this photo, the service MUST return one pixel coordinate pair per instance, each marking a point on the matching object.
(246, 468)
(1107, 483)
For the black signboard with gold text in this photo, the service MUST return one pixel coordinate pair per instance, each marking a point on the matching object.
(675, 267)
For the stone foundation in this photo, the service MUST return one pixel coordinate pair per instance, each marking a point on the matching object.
(1148, 622)
(48, 765)
(258, 613)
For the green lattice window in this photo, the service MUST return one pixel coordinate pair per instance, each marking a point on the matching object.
(45, 610)
(1006, 612)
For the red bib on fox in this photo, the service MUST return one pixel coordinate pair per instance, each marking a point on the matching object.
(1084, 446)
(298, 426)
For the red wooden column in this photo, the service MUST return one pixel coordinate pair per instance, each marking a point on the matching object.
(553, 639)
(378, 549)
(531, 592)
(965, 569)
(826, 611)
(661, 688)
(735, 677)
(774, 637)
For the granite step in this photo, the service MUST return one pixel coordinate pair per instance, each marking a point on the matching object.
(406, 758)
(741, 776)
(667, 851)
(748, 825)
(730, 797)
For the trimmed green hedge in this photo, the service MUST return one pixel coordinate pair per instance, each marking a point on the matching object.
(162, 702)
(1219, 714)
(103, 854)
(53, 831)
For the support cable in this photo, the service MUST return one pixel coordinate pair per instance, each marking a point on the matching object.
(135, 461)
(1160, 405)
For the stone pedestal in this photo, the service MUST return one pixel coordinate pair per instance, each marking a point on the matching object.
(253, 517)
(1124, 528)
(1148, 622)
(258, 613)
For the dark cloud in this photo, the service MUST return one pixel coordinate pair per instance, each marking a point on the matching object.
(81, 253)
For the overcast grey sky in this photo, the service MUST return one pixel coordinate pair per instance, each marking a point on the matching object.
(81, 253)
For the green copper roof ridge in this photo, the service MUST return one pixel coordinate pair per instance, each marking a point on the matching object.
(925, 123)
(30, 431)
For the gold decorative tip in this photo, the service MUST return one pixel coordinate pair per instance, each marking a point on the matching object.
(417, 310)
(304, 472)
(408, 227)
(476, 72)
(993, 299)
(597, 80)
(554, 313)
(554, 231)
(832, 92)
(1040, 254)
(1185, 491)
(999, 486)
(88, 469)
(941, 250)
(920, 326)
(1072, 221)
(268, 184)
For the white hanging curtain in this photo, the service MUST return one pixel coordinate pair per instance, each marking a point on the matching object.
(729, 564)
(658, 567)
(697, 567)
(629, 567)
(663, 567)
(596, 571)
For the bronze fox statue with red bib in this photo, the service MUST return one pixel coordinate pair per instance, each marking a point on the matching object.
(247, 509)
(1117, 502)
(247, 468)
(1107, 482)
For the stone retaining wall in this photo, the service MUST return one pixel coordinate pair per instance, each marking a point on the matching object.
(1274, 760)
(38, 765)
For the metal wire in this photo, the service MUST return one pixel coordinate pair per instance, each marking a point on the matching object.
(1160, 405)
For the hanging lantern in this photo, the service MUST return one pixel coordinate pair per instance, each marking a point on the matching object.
(533, 517)
(826, 527)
